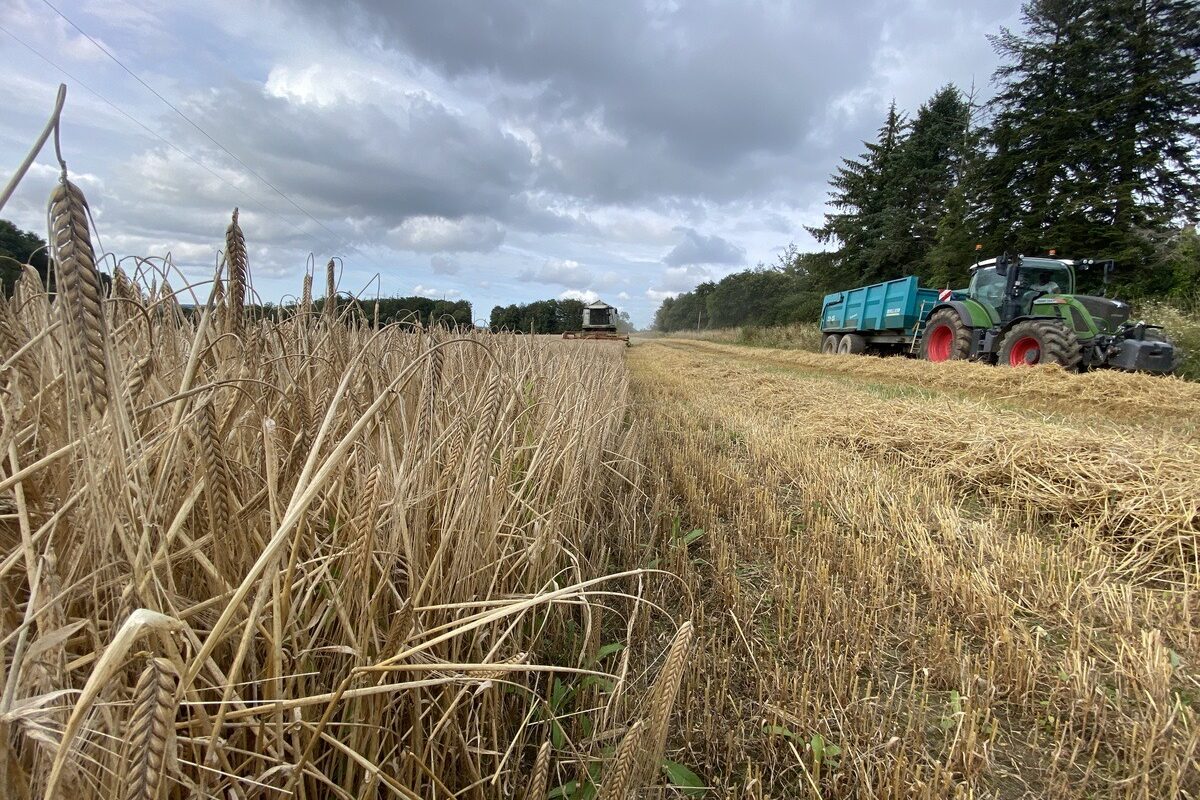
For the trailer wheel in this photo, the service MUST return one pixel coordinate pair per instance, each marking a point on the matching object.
(852, 345)
(1041, 342)
(829, 345)
(946, 338)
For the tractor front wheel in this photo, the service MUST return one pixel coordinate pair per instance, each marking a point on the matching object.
(946, 337)
(829, 345)
(1041, 342)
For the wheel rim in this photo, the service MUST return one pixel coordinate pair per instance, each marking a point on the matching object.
(1025, 351)
(940, 340)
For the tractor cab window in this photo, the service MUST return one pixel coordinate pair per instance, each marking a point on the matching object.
(987, 286)
(1046, 280)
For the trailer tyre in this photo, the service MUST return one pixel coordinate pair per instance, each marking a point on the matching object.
(852, 345)
(946, 337)
(829, 345)
(1041, 342)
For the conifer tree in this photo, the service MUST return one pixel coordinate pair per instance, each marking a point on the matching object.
(865, 193)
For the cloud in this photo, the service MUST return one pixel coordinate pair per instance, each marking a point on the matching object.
(444, 265)
(658, 295)
(683, 279)
(438, 234)
(429, 291)
(583, 297)
(564, 272)
(365, 158)
(696, 248)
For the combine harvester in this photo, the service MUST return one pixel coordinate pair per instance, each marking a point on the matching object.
(599, 322)
(1016, 311)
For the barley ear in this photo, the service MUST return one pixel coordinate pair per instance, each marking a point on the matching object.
(539, 779)
(237, 263)
(79, 291)
(619, 777)
(662, 696)
(151, 729)
(330, 291)
(306, 294)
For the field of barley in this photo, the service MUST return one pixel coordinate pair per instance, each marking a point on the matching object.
(298, 556)
(301, 555)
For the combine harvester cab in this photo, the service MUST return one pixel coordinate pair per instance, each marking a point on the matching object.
(1015, 312)
(599, 322)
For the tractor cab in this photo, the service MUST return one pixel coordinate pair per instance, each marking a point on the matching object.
(1034, 279)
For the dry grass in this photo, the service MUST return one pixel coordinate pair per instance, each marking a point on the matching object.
(910, 593)
(1134, 398)
(295, 557)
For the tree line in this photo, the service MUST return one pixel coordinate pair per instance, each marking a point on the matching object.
(1088, 149)
(546, 316)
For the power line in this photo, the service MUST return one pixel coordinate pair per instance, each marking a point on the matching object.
(341, 242)
(159, 136)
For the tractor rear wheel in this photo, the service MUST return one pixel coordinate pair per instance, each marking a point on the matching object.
(1041, 342)
(852, 345)
(946, 337)
(829, 345)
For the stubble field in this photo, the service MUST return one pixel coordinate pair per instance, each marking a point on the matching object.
(927, 580)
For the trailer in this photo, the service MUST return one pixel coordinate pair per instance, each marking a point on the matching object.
(1016, 311)
(889, 314)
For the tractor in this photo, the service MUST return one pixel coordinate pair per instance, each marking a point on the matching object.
(1016, 311)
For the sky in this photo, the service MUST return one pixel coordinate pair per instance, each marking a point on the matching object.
(498, 151)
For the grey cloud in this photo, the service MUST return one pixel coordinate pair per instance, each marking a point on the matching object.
(633, 99)
(366, 160)
(696, 248)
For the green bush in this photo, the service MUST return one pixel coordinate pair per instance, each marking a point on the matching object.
(1181, 322)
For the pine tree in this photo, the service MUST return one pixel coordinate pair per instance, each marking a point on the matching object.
(931, 163)
(1148, 112)
(1035, 185)
(1094, 136)
(864, 193)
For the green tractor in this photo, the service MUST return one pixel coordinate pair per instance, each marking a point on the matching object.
(1025, 311)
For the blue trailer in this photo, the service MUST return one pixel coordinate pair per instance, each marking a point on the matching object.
(889, 313)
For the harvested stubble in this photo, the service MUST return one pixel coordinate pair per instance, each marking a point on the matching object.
(1127, 397)
(368, 560)
(937, 590)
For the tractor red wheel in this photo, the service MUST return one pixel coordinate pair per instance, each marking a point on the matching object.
(1026, 350)
(1041, 342)
(946, 337)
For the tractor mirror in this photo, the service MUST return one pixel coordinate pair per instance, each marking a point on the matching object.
(1002, 266)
